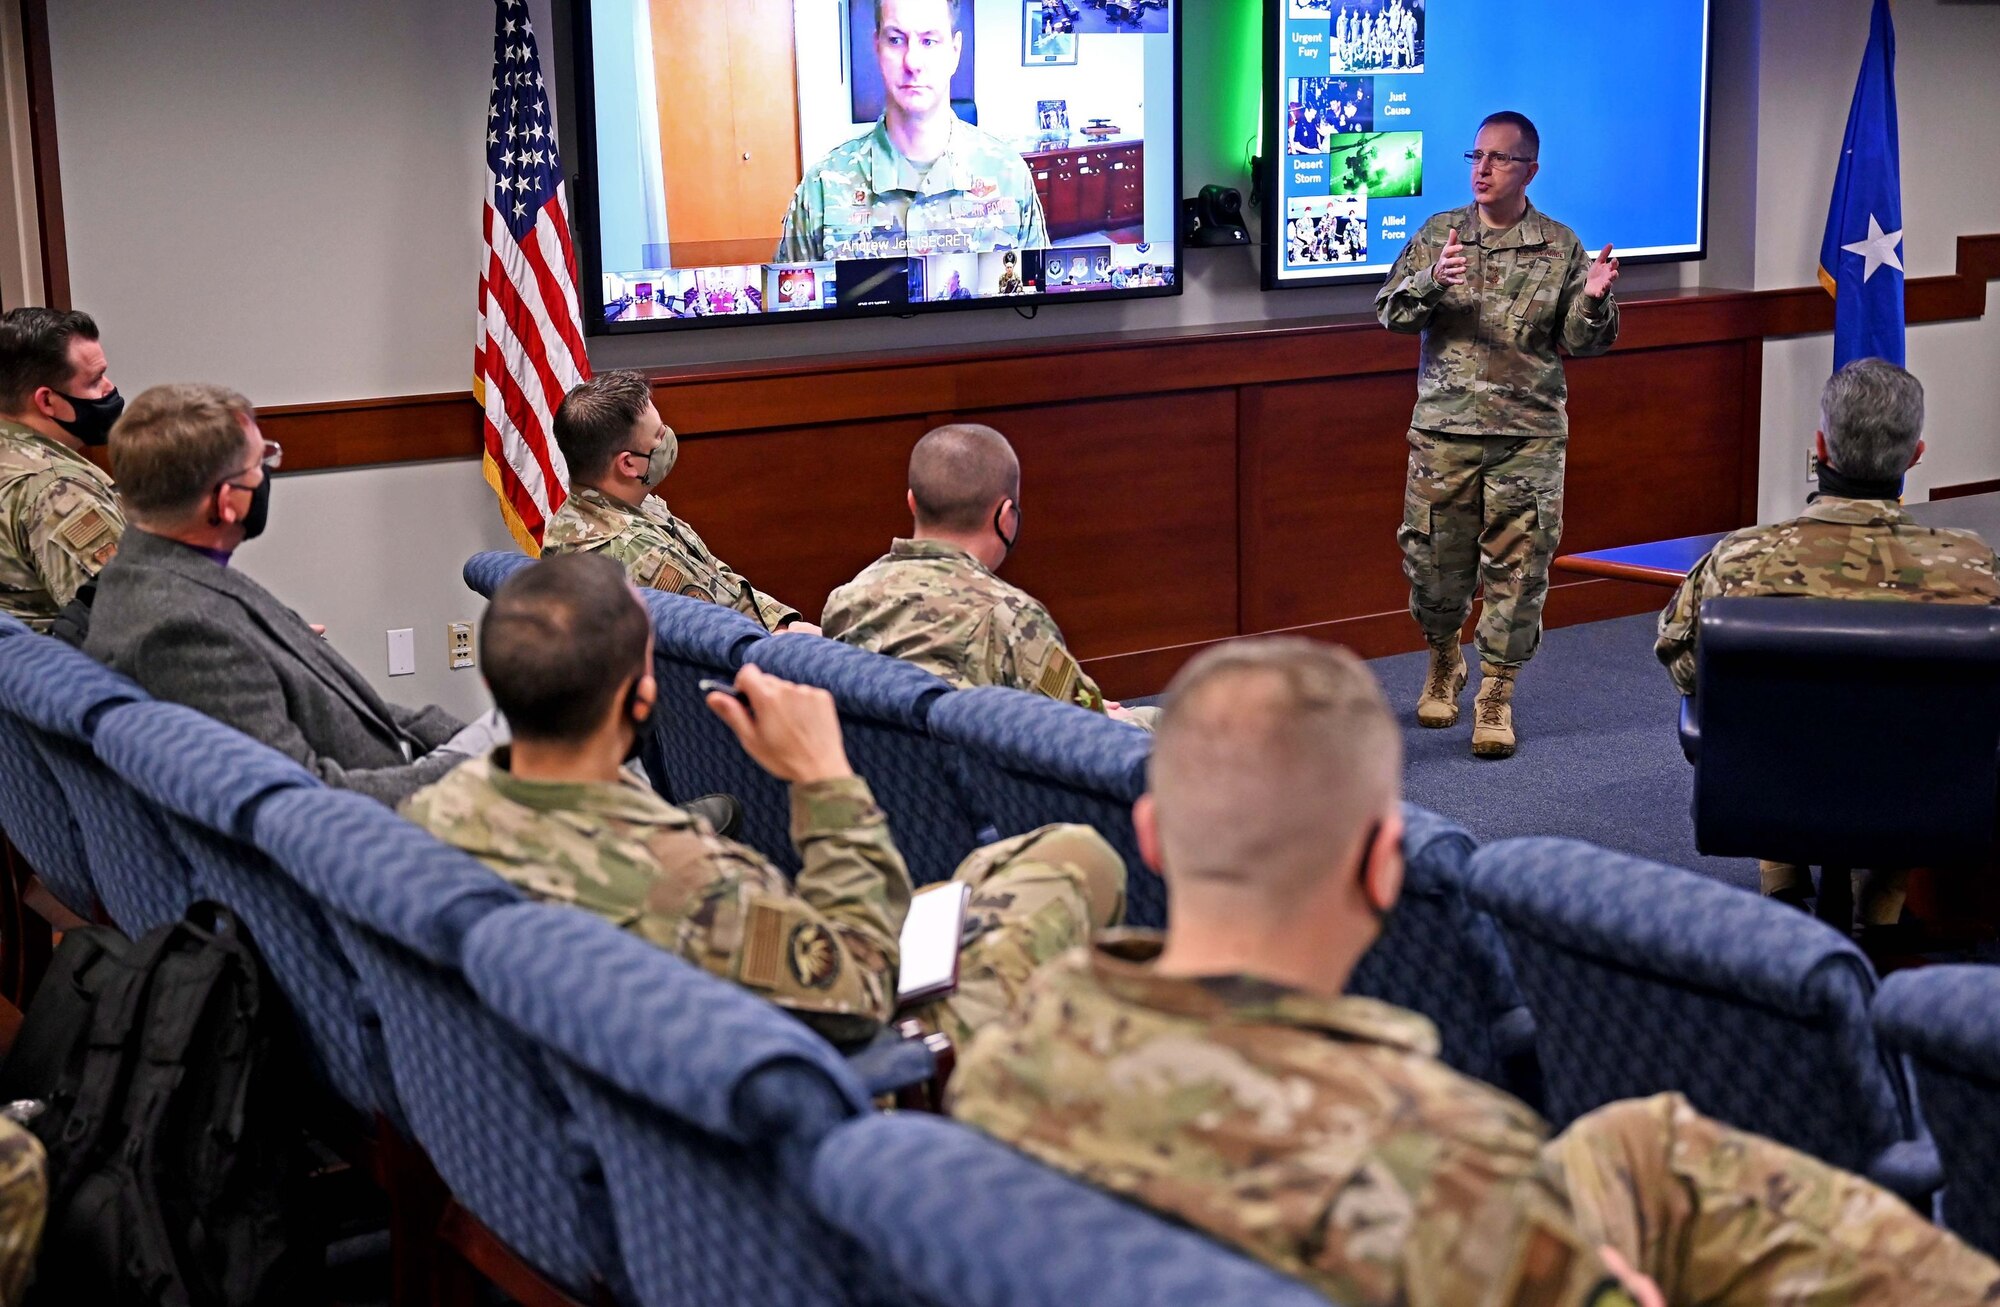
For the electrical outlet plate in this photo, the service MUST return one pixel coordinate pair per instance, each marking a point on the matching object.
(403, 652)
(458, 645)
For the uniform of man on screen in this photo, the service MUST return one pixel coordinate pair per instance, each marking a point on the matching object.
(59, 517)
(1221, 1074)
(1853, 542)
(1494, 288)
(619, 451)
(921, 181)
(936, 599)
(567, 654)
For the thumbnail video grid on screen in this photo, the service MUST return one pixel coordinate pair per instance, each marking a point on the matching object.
(879, 154)
(1361, 86)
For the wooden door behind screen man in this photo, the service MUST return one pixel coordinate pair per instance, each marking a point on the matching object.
(729, 125)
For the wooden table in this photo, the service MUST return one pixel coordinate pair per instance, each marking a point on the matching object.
(1667, 562)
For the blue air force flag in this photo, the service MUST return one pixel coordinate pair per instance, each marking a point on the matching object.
(1860, 259)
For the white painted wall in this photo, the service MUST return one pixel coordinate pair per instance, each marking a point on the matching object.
(283, 195)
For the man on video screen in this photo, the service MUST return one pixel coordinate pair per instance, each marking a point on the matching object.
(921, 181)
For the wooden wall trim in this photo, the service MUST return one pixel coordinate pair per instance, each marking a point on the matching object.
(720, 399)
(48, 163)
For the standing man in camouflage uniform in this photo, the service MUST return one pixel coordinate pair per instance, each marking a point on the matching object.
(619, 451)
(567, 657)
(1853, 542)
(1220, 1074)
(1494, 288)
(935, 600)
(921, 181)
(59, 520)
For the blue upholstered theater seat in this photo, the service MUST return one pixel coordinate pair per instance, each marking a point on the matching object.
(703, 1101)
(35, 815)
(486, 572)
(1947, 1020)
(1797, 697)
(968, 1221)
(1443, 957)
(209, 782)
(60, 694)
(691, 753)
(885, 705)
(1027, 760)
(1645, 978)
(474, 1093)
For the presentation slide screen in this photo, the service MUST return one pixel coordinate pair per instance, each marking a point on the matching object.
(807, 159)
(1371, 106)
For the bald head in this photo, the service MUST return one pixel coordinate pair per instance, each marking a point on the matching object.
(1273, 759)
(958, 474)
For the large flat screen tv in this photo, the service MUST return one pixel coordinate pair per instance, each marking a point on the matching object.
(1370, 105)
(748, 161)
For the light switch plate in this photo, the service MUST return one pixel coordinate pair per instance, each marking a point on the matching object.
(403, 652)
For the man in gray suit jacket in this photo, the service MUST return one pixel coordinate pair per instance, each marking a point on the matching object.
(172, 614)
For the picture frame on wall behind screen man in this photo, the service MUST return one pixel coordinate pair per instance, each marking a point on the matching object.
(786, 183)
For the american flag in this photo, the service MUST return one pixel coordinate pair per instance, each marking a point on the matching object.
(530, 352)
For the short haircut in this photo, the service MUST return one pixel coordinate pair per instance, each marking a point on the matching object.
(34, 352)
(1272, 756)
(174, 445)
(562, 637)
(595, 420)
(1873, 413)
(959, 472)
(1530, 138)
(956, 7)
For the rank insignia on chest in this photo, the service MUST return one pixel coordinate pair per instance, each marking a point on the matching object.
(983, 187)
(861, 195)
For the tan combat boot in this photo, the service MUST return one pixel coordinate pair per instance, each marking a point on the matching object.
(1493, 712)
(1437, 707)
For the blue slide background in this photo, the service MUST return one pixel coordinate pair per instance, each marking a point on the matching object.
(1617, 91)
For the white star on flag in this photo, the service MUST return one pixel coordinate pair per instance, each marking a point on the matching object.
(1878, 249)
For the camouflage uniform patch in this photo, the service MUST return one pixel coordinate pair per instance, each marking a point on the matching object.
(1490, 375)
(1838, 549)
(934, 605)
(24, 1205)
(658, 551)
(1325, 1138)
(866, 201)
(59, 525)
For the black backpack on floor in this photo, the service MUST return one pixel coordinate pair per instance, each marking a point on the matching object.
(174, 1089)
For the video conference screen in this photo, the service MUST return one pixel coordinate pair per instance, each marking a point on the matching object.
(1371, 105)
(751, 159)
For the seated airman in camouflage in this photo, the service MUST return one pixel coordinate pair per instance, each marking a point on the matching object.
(59, 518)
(619, 451)
(567, 656)
(935, 601)
(24, 1206)
(1853, 542)
(921, 181)
(1221, 1075)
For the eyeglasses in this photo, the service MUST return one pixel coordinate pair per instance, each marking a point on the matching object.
(1499, 160)
(270, 460)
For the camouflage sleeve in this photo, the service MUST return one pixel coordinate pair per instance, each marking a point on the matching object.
(1410, 294)
(1027, 653)
(1034, 233)
(1588, 326)
(73, 529)
(799, 242)
(24, 1202)
(855, 882)
(1675, 645)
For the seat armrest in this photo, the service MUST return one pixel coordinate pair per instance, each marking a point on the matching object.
(1910, 1170)
(1690, 729)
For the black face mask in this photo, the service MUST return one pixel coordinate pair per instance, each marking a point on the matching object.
(1834, 482)
(260, 509)
(1007, 541)
(1382, 915)
(94, 417)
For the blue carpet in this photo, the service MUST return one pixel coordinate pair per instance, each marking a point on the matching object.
(1599, 758)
